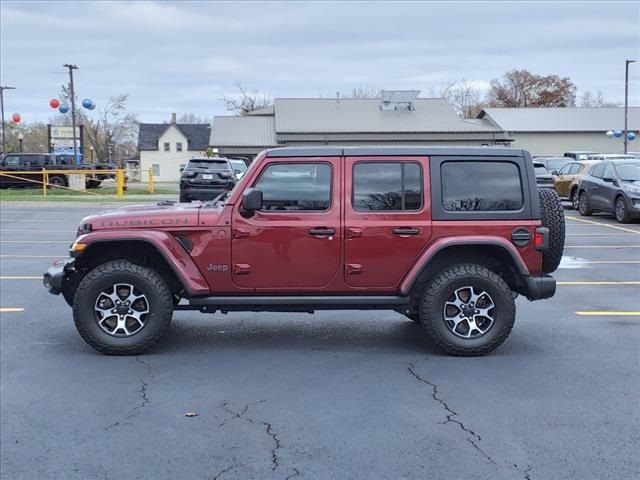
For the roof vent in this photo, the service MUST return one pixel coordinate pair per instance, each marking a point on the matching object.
(396, 100)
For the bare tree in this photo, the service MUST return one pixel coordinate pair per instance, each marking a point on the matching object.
(111, 131)
(246, 100)
(465, 97)
(521, 88)
(362, 91)
(589, 99)
(191, 118)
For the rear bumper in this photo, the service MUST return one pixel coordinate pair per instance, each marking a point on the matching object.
(54, 277)
(537, 288)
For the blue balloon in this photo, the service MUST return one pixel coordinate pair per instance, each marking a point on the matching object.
(87, 102)
(617, 133)
(631, 136)
(64, 108)
(92, 106)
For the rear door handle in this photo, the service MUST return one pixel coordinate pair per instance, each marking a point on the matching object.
(322, 231)
(406, 231)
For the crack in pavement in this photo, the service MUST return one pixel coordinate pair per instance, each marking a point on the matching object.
(222, 472)
(526, 472)
(473, 438)
(275, 461)
(144, 397)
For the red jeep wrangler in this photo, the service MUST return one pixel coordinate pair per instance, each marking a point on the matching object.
(446, 236)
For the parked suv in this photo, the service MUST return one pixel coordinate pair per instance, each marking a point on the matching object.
(543, 178)
(613, 187)
(206, 178)
(568, 179)
(446, 236)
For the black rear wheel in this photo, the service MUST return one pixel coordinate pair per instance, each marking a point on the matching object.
(468, 310)
(584, 207)
(621, 211)
(574, 199)
(57, 181)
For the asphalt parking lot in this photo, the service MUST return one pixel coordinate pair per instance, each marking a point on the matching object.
(336, 395)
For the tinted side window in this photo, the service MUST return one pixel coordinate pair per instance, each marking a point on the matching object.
(481, 186)
(295, 187)
(576, 168)
(596, 171)
(12, 161)
(387, 186)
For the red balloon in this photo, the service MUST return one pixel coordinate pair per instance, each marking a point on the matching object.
(54, 103)
(16, 118)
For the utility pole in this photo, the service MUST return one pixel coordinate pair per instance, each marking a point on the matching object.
(73, 109)
(2, 89)
(626, 102)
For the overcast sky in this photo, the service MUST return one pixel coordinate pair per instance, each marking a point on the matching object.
(183, 57)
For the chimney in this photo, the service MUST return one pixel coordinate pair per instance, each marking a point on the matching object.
(173, 119)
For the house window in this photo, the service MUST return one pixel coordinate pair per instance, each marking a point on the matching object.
(155, 168)
(178, 146)
(167, 147)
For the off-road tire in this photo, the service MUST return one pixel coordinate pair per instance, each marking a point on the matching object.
(442, 287)
(414, 317)
(57, 181)
(621, 212)
(574, 198)
(584, 208)
(552, 217)
(149, 281)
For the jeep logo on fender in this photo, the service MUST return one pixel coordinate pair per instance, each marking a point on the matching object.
(217, 268)
(145, 222)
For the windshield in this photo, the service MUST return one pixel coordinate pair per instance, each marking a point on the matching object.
(628, 172)
(238, 165)
(557, 163)
(540, 169)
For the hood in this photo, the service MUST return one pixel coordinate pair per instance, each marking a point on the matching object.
(144, 216)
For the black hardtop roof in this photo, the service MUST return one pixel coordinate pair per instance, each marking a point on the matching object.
(387, 150)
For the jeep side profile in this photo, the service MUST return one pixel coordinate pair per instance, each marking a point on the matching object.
(446, 236)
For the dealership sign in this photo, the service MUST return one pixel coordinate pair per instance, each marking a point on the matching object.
(61, 140)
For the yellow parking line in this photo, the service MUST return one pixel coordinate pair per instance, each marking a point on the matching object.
(11, 309)
(602, 246)
(596, 283)
(13, 277)
(35, 241)
(624, 262)
(637, 232)
(610, 314)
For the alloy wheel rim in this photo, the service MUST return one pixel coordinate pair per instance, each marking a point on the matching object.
(574, 200)
(619, 210)
(582, 203)
(469, 312)
(121, 310)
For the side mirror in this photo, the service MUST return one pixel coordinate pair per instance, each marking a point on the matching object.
(181, 169)
(251, 201)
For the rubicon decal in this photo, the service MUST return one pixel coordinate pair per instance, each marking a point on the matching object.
(145, 222)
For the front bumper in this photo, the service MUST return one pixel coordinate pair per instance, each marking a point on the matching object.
(53, 279)
(537, 288)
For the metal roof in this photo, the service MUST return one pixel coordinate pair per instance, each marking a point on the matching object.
(322, 115)
(579, 119)
(243, 131)
(197, 135)
(385, 150)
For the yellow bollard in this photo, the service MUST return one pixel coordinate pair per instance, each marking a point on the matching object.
(45, 180)
(119, 183)
(150, 180)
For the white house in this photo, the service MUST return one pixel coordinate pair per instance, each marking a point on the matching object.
(165, 147)
(553, 131)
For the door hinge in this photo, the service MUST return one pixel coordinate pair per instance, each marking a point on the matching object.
(240, 233)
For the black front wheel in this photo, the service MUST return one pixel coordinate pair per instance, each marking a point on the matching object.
(468, 310)
(121, 308)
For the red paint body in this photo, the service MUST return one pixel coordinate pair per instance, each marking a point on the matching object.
(273, 252)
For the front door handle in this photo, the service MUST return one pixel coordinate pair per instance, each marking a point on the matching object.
(322, 231)
(406, 231)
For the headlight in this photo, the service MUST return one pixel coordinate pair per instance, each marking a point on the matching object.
(631, 189)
